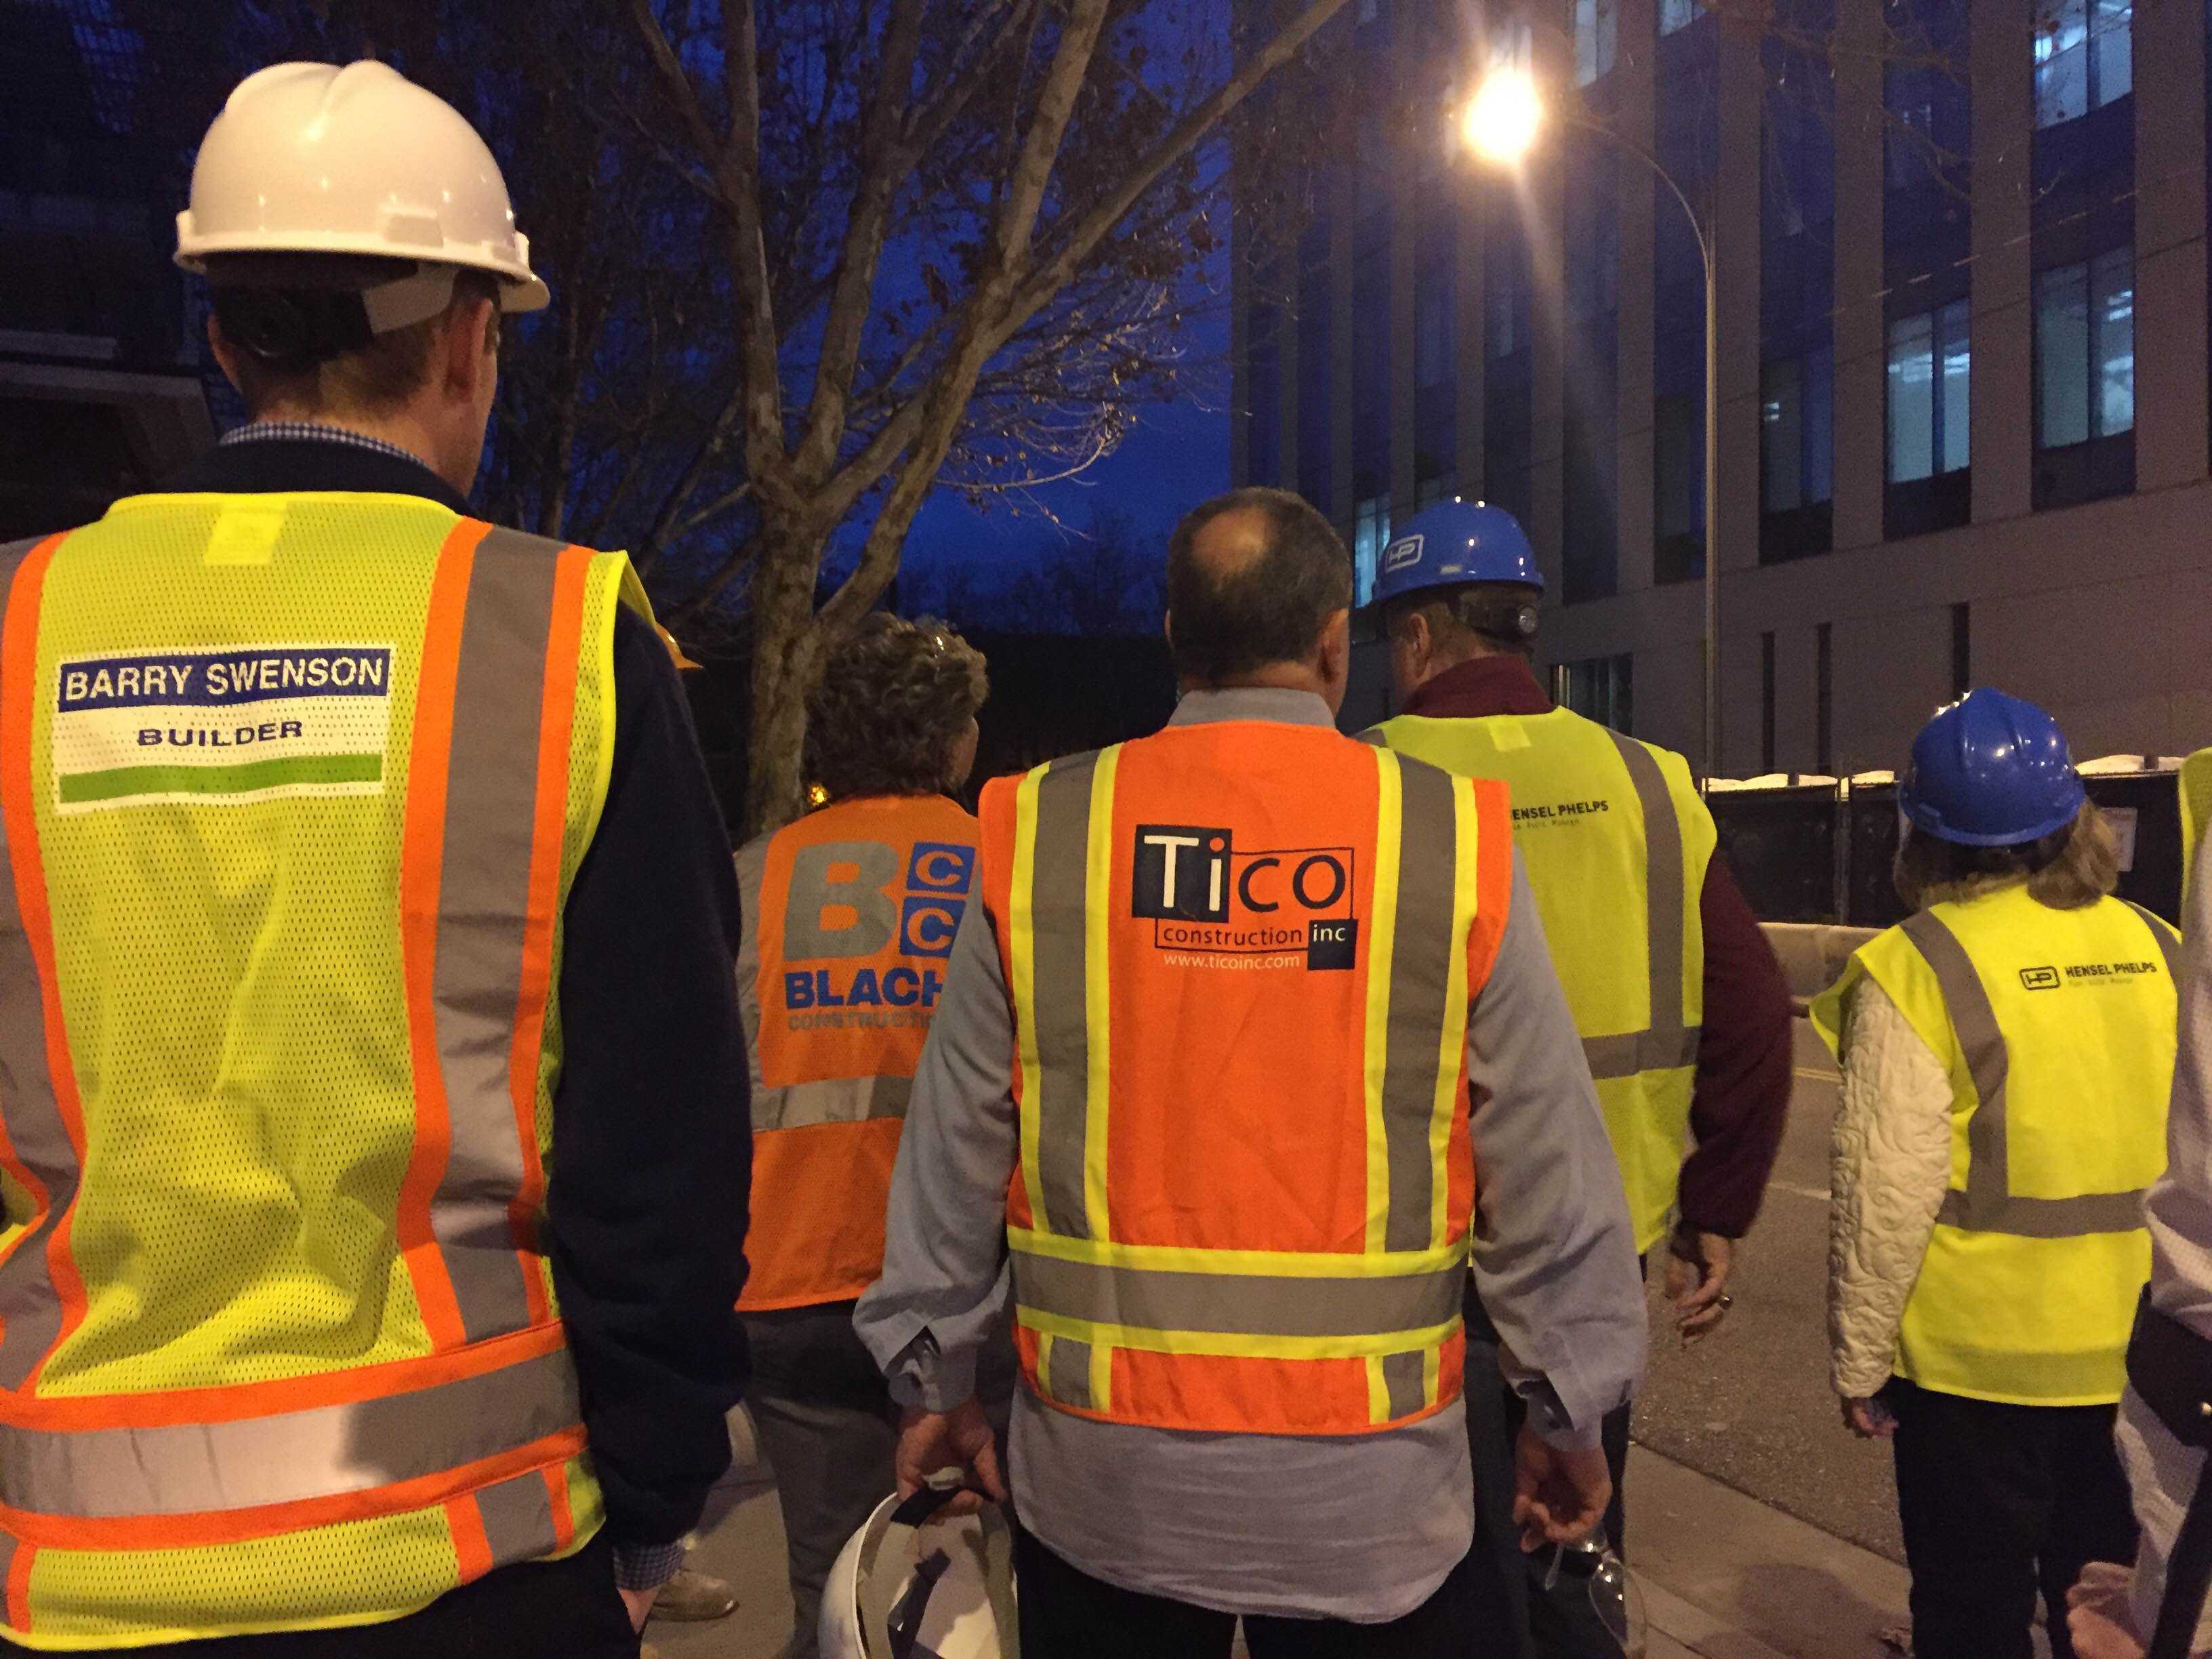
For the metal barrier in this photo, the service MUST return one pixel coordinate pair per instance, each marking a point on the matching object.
(1819, 850)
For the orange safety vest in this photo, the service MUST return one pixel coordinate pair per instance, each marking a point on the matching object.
(853, 908)
(1241, 957)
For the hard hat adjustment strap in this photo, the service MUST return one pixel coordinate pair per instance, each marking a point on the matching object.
(415, 298)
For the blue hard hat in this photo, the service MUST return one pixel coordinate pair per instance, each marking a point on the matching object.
(1991, 770)
(1455, 543)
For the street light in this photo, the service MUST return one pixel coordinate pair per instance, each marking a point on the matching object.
(1501, 124)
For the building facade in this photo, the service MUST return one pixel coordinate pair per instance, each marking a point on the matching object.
(1963, 358)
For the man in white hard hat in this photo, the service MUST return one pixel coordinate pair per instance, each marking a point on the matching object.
(374, 1098)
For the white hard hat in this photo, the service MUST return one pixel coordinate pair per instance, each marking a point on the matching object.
(310, 158)
(904, 1585)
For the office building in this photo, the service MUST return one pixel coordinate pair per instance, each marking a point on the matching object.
(1963, 354)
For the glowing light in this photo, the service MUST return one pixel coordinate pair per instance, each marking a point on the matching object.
(1502, 119)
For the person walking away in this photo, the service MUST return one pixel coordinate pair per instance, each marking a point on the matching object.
(2007, 1054)
(1213, 1052)
(1684, 1011)
(374, 1089)
(853, 911)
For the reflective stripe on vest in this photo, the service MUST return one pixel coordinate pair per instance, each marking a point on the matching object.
(205, 1468)
(1082, 1292)
(1668, 1040)
(45, 1146)
(1988, 1205)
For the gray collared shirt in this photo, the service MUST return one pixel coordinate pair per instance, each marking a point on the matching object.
(1363, 1527)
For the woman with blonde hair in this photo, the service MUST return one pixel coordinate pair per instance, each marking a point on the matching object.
(2007, 1054)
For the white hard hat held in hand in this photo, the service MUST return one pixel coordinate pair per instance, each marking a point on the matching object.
(310, 158)
(907, 1584)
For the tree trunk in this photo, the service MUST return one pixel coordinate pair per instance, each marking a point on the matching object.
(787, 657)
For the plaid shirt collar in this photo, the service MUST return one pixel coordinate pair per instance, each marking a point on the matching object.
(313, 432)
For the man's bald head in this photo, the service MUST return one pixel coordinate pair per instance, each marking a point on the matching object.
(1254, 578)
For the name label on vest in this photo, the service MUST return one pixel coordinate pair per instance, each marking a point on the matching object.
(227, 727)
(2078, 973)
(1213, 904)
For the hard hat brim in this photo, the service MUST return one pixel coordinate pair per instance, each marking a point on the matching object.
(521, 290)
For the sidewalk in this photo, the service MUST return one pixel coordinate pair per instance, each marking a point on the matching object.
(1722, 1576)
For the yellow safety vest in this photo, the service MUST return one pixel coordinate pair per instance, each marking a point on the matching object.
(1615, 841)
(295, 787)
(2057, 1028)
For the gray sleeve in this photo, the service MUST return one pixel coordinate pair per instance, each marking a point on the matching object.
(944, 1286)
(1554, 1254)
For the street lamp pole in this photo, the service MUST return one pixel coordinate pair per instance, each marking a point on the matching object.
(1502, 123)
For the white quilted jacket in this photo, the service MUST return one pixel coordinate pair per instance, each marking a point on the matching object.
(1892, 1162)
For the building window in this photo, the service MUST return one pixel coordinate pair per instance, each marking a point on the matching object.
(1370, 534)
(2085, 350)
(1797, 455)
(1678, 489)
(1766, 703)
(1371, 358)
(1797, 443)
(1436, 351)
(1588, 531)
(1824, 699)
(1678, 14)
(1597, 39)
(1930, 365)
(1316, 390)
(1602, 689)
(2084, 57)
(1506, 293)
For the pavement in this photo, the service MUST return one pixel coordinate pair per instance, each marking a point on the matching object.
(1758, 1528)
(1751, 1407)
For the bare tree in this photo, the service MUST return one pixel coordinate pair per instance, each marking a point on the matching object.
(931, 215)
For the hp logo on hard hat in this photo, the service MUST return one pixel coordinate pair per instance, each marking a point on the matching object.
(1405, 551)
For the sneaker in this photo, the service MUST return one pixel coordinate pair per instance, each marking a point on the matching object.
(693, 1597)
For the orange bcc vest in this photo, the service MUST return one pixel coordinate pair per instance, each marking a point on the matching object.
(850, 917)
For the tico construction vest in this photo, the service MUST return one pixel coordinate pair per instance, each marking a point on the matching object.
(1241, 957)
(1615, 841)
(295, 787)
(851, 916)
(2057, 1029)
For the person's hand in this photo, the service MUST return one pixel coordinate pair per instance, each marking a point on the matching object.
(2100, 1621)
(1697, 1268)
(1867, 1419)
(640, 1603)
(957, 1439)
(1559, 1495)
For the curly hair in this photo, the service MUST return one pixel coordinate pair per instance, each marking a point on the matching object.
(2072, 866)
(894, 698)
